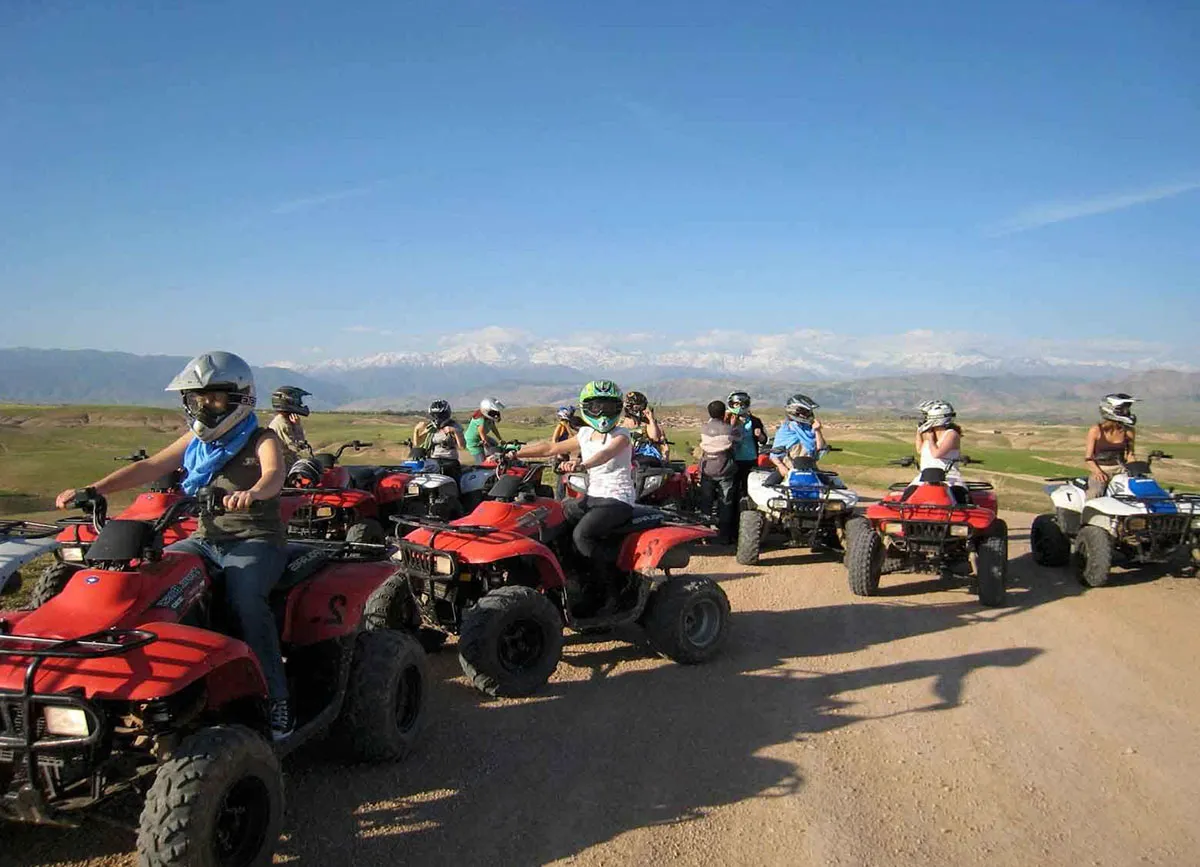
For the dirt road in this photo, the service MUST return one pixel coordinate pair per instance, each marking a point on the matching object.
(912, 728)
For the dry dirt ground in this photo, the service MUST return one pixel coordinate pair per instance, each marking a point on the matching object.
(911, 728)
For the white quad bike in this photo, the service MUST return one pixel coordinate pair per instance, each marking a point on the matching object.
(1136, 519)
(811, 507)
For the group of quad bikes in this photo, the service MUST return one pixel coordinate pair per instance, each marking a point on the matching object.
(121, 675)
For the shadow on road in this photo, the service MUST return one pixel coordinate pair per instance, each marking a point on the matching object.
(525, 782)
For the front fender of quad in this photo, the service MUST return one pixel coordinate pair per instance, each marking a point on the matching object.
(177, 658)
(361, 502)
(652, 549)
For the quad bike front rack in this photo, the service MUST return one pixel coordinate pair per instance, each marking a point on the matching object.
(19, 712)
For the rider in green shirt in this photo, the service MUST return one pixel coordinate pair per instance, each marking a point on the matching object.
(483, 437)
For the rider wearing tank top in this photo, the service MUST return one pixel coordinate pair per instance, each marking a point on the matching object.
(613, 479)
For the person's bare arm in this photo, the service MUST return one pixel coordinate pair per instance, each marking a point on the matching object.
(819, 433)
(458, 436)
(136, 474)
(548, 449)
(1094, 468)
(269, 484)
(1130, 445)
(653, 429)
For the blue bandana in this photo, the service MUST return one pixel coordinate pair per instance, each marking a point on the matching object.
(203, 460)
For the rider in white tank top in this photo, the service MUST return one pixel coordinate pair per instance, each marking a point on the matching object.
(614, 478)
(947, 462)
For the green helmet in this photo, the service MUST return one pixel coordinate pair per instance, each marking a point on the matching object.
(601, 405)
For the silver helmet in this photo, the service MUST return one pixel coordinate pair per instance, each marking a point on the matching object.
(935, 413)
(1119, 408)
(491, 407)
(212, 373)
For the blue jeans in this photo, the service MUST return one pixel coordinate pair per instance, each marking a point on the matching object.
(252, 567)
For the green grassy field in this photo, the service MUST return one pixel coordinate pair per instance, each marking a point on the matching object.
(46, 449)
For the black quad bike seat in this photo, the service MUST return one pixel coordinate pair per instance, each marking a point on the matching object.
(643, 518)
(364, 478)
(304, 561)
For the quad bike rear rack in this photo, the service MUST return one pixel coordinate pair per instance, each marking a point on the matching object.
(20, 712)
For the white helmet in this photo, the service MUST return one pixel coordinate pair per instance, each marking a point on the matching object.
(935, 413)
(799, 407)
(215, 372)
(1119, 408)
(491, 407)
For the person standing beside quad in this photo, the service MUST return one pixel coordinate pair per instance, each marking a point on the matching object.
(606, 454)
(226, 448)
(800, 435)
(1111, 442)
(754, 434)
(483, 436)
(288, 403)
(718, 470)
(439, 437)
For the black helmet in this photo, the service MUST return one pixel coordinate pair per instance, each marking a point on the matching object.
(635, 404)
(289, 399)
(800, 407)
(439, 412)
(305, 473)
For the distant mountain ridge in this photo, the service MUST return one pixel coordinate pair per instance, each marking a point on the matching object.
(91, 376)
(96, 377)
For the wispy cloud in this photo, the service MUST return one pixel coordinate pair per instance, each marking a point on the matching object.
(306, 203)
(1049, 214)
(366, 329)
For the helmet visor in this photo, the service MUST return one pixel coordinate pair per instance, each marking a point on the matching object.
(602, 406)
(208, 407)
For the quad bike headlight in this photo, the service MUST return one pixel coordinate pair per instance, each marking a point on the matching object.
(67, 722)
(72, 553)
(834, 506)
(1135, 525)
(778, 504)
(893, 528)
(324, 511)
(960, 530)
(652, 483)
(577, 482)
(443, 564)
(414, 489)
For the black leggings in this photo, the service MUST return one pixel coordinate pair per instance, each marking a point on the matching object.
(594, 519)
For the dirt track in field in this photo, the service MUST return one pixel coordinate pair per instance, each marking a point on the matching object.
(911, 728)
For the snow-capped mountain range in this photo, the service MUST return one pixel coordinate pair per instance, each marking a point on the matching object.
(800, 354)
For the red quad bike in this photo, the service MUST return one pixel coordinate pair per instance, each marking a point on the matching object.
(122, 683)
(78, 534)
(330, 505)
(931, 526)
(499, 579)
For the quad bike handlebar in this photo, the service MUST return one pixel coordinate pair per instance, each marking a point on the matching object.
(909, 461)
(357, 445)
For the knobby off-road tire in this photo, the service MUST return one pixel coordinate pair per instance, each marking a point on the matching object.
(368, 531)
(1048, 543)
(392, 606)
(1093, 556)
(216, 802)
(386, 697)
(751, 525)
(991, 565)
(864, 558)
(687, 619)
(50, 583)
(510, 641)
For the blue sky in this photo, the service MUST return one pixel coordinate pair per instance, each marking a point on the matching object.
(278, 177)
